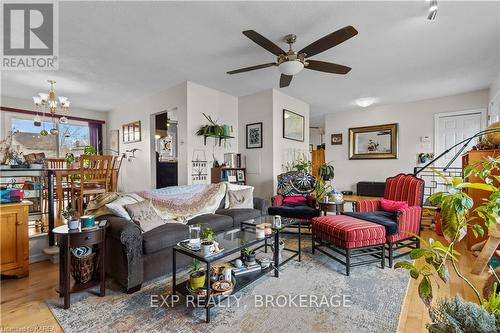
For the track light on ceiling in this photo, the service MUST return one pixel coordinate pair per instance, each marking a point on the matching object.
(433, 8)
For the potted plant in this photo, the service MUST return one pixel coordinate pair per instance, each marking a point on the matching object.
(6, 150)
(196, 276)
(326, 171)
(207, 234)
(69, 158)
(455, 315)
(248, 255)
(212, 129)
(71, 217)
(89, 150)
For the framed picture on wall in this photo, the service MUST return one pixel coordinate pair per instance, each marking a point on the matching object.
(337, 139)
(293, 126)
(373, 142)
(131, 132)
(114, 141)
(254, 136)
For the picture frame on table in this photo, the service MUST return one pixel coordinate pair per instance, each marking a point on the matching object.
(240, 175)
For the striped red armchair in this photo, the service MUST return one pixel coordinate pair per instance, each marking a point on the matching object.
(400, 188)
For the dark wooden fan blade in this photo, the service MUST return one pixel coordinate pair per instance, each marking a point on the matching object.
(328, 67)
(329, 41)
(285, 80)
(251, 68)
(264, 42)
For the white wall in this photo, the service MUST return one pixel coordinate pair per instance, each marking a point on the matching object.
(415, 119)
(264, 164)
(222, 108)
(258, 108)
(137, 174)
(286, 150)
(494, 88)
(191, 100)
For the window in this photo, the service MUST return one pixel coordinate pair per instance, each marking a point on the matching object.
(71, 138)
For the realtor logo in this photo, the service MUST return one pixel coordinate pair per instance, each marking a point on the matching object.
(29, 36)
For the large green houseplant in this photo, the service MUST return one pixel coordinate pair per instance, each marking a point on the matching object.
(455, 205)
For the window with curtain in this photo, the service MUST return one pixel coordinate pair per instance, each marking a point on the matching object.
(72, 138)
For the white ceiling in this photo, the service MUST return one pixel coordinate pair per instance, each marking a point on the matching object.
(113, 52)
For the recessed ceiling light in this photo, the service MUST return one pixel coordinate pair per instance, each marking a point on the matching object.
(365, 102)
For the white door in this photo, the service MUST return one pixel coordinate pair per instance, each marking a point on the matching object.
(453, 128)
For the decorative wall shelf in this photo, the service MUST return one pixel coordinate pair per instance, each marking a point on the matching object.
(220, 137)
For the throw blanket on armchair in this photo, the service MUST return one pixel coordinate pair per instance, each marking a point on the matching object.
(186, 202)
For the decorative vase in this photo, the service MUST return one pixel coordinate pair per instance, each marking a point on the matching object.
(280, 248)
(197, 280)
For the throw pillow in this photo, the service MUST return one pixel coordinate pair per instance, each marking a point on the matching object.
(241, 198)
(116, 207)
(144, 215)
(392, 206)
(97, 206)
(295, 199)
(235, 187)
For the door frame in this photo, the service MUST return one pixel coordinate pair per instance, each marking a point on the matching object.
(437, 116)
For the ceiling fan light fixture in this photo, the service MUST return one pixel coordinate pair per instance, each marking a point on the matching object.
(365, 102)
(433, 8)
(291, 67)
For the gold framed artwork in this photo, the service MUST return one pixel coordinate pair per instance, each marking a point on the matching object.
(131, 132)
(336, 139)
(114, 141)
(373, 142)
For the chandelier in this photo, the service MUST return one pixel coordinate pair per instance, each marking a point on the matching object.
(50, 103)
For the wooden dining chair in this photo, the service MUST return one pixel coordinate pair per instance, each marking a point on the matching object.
(58, 163)
(92, 179)
(114, 172)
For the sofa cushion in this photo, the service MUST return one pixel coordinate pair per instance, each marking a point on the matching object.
(386, 219)
(144, 215)
(164, 236)
(216, 222)
(392, 206)
(241, 198)
(295, 211)
(239, 215)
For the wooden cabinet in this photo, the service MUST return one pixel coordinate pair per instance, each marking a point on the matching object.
(477, 196)
(14, 244)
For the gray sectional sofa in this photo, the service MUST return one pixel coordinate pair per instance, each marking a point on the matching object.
(133, 258)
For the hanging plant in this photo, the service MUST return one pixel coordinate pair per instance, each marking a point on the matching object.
(213, 129)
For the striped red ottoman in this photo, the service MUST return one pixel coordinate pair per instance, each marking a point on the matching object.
(349, 237)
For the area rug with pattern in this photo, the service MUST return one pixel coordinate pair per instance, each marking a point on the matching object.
(313, 295)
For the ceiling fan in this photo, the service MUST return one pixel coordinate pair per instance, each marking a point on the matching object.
(291, 62)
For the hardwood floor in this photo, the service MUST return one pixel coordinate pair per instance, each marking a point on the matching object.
(414, 316)
(23, 300)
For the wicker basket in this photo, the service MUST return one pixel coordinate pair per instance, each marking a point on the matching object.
(82, 268)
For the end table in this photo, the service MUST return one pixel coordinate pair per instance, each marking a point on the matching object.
(67, 239)
(331, 206)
